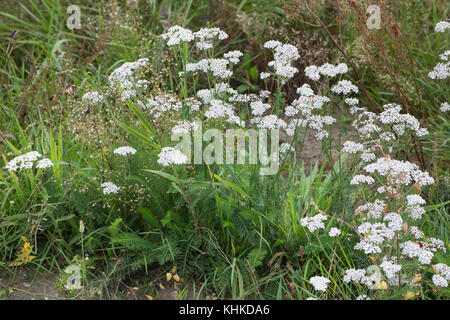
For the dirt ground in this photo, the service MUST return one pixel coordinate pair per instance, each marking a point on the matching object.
(29, 284)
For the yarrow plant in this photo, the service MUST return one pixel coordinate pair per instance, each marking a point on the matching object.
(27, 160)
(386, 221)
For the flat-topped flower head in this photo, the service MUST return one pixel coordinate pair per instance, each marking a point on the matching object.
(319, 283)
(24, 161)
(401, 172)
(441, 71)
(445, 56)
(314, 72)
(92, 96)
(334, 232)
(109, 187)
(177, 34)
(161, 104)
(314, 223)
(206, 36)
(443, 270)
(439, 281)
(445, 107)
(360, 178)
(124, 151)
(355, 275)
(258, 107)
(124, 78)
(169, 155)
(233, 56)
(284, 55)
(184, 127)
(441, 26)
(218, 67)
(345, 87)
(352, 147)
(44, 163)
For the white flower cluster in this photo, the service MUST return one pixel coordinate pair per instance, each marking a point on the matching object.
(369, 123)
(414, 199)
(44, 163)
(177, 34)
(400, 172)
(334, 232)
(374, 210)
(222, 90)
(395, 221)
(219, 109)
(92, 96)
(445, 56)
(218, 67)
(374, 235)
(306, 104)
(27, 160)
(445, 107)
(193, 103)
(355, 275)
(284, 56)
(269, 122)
(439, 281)
(286, 148)
(352, 147)
(360, 178)
(109, 187)
(372, 278)
(392, 116)
(441, 26)
(351, 101)
(184, 127)
(123, 78)
(414, 250)
(258, 107)
(161, 104)
(169, 155)
(233, 56)
(345, 87)
(206, 36)
(313, 223)
(416, 233)
(124, 151)
(314, 72)
(367, 156)
(443, 270)
(441, 71)
(319, 283)
(390, 267)
(264, 75)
